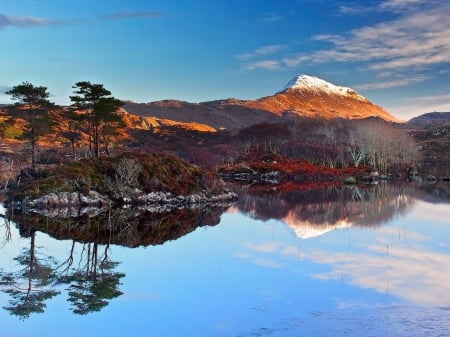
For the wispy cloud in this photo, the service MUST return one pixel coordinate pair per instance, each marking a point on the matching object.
(397, 52)
(396, 6)
(262, 51)
(409, 44)
(25, 21)
(354, 9)
(415, 40)
(266, 64)
(394, 83)
(413, 106)
(435, 98)
(131, 15)
(401, 4)
(272, 17)
(32, 21)
(257, 54)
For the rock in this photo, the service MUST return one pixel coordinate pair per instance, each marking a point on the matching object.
(70, 204)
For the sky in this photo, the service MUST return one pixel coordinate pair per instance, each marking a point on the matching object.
(394, 52)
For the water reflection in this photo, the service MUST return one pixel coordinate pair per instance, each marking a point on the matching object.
(120, 226)
(38, 276)
(313, 212)
(387, 250)
(89, 279)
(399, 261)
(31, 284)
(416, 275)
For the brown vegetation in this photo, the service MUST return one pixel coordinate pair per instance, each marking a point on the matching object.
(116, 177)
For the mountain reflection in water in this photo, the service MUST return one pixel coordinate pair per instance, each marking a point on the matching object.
(313, 212)
(91, 278)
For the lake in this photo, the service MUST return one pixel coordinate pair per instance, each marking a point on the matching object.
(331, 261)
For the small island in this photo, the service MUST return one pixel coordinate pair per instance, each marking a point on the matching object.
(150, 180)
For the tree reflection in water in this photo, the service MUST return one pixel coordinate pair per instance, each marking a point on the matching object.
(90, 279)
(94, 282)
(32, 284)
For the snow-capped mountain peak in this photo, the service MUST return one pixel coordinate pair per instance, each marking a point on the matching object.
(317, 86)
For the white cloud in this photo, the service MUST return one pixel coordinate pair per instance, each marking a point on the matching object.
(399, 52)
(354, 9)
(413, 41)
(269, 49)
(394, 83)
(267, 65)
(384, 6)
(414, 106)
(400, 4)
(385, 74)
(293, 62)
(262, 51)
(440, 99)
(24, 21)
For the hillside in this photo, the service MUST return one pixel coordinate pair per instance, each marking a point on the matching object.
(432, 132)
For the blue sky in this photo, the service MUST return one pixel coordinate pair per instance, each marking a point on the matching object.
(394, 52)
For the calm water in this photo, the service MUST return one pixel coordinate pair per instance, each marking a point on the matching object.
(328, 262)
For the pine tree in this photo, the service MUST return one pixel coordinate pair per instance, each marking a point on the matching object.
(100, 111)
(33, 106)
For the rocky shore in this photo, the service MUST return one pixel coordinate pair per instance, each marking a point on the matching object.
(73, 204)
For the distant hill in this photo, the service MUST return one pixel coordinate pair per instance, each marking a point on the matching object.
(432, 132)
(304, 96)
(430, 119)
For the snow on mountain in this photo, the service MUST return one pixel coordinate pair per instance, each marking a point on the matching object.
(317, 85)
(307, 230)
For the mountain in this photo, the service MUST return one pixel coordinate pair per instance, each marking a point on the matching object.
(431, 131)
(221, 114)
(430, 119)
(308, 230)
(313, 97)
(304, 95)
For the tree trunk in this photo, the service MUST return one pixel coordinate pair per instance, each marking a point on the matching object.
(33, 150)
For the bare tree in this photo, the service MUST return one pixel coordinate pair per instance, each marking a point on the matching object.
(128, 170)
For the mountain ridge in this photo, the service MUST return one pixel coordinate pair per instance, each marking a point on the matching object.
(304, 96)
(431, 118)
